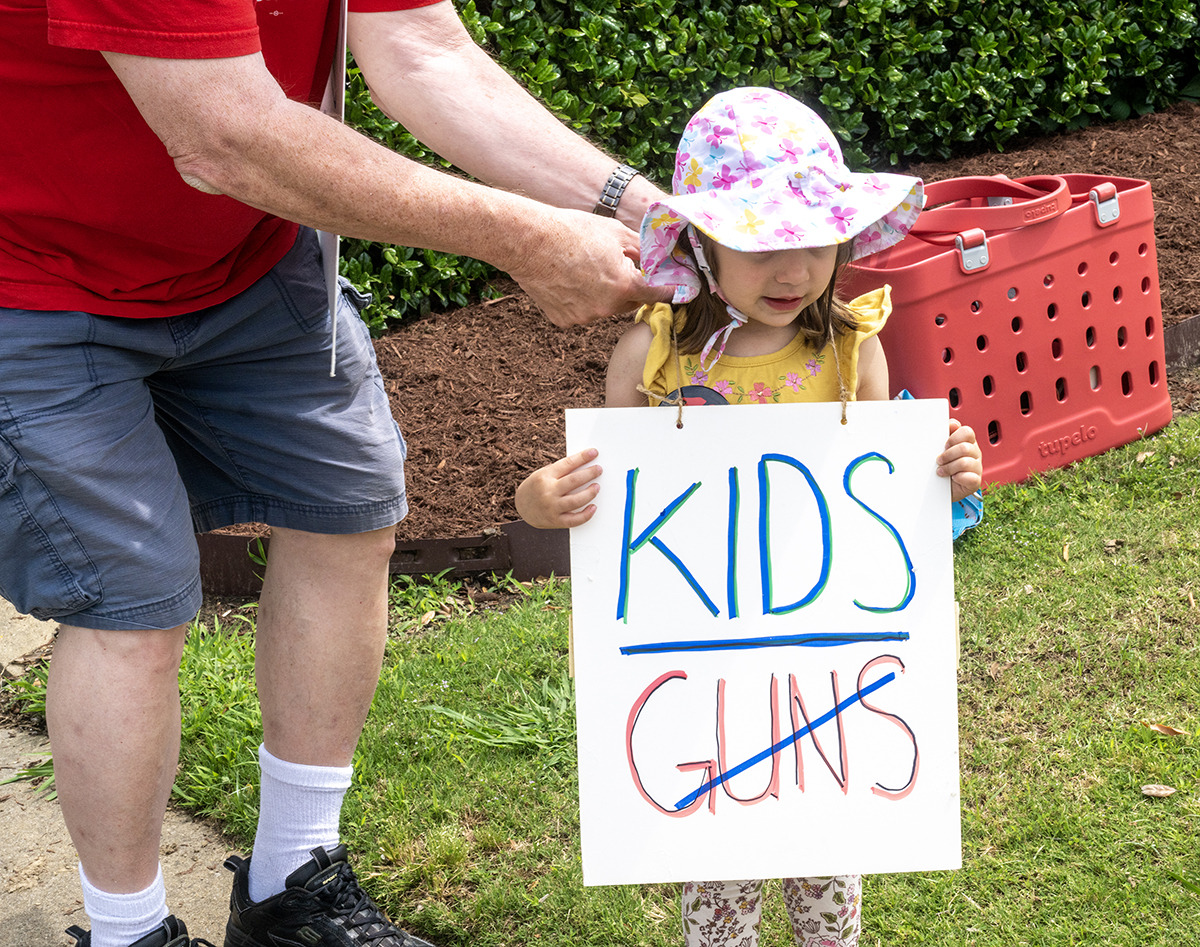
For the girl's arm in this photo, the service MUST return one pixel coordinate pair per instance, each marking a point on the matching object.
(625, 369)
(872, 371)
(560, 494)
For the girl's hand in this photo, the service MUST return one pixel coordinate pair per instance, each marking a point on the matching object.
(961, 461)
(560, 494)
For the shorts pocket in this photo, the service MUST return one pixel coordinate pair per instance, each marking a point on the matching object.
(44, 569)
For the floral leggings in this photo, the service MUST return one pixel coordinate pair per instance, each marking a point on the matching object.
(825, 912)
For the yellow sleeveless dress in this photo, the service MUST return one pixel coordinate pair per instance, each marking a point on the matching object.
(797, 372)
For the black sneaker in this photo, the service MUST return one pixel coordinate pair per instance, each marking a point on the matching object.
(322, 906)
(171, 933)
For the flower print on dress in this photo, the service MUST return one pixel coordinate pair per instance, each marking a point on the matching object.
(761, 393)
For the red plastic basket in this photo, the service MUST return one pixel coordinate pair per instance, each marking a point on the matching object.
(1038, 318)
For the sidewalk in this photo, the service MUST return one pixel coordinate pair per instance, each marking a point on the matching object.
(39, 884)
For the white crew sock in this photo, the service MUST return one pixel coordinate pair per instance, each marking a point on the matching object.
(120, 919)
(299, 809)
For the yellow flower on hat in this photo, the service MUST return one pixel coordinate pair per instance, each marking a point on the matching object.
(691, 177)
(751, 224)
(664, 219)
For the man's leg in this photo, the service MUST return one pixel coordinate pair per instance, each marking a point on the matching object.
(112, 710)
(321, 632)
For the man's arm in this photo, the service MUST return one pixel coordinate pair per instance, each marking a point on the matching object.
(231, 130)
(425, 71)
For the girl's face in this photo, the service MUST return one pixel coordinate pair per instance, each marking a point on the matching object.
(774, 286)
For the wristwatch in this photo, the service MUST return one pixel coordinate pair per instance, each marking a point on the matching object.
(614, 187)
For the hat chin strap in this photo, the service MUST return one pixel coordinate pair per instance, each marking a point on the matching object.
(736, 317)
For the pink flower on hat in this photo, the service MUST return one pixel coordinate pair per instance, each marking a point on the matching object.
(725, 179)
(788, 231)
(790, 150)
(840, 217)
(717, 134)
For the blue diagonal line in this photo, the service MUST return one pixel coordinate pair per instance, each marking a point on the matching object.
(785, 743)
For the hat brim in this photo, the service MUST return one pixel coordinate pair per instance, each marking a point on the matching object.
(877, 209)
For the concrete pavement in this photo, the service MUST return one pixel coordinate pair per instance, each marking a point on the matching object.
(39, 886)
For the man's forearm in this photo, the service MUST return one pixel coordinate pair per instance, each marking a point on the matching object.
(424, 71)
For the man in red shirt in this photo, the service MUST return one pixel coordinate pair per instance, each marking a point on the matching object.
(166, 338)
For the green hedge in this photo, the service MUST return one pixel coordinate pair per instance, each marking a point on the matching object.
(898, 80)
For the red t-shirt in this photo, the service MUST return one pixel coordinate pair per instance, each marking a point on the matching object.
(93, 215)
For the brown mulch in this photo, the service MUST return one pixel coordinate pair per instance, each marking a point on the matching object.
(480, 392)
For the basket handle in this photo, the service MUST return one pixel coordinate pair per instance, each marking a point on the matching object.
(1035, 199)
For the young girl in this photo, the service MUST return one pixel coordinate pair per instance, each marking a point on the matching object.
(764, 214)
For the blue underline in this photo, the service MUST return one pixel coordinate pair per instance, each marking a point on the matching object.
(812, 640)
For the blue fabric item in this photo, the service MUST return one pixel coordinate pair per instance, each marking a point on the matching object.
(967, 512)
(120, 438)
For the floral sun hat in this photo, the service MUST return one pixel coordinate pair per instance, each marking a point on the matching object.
(758, 170)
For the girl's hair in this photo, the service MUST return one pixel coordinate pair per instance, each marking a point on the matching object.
(824, 320)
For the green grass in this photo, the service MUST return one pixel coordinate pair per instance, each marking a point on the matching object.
(1080, 610)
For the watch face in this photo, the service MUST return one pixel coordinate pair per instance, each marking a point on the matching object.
(693, 395)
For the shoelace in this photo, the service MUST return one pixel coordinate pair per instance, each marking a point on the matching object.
(357, 910)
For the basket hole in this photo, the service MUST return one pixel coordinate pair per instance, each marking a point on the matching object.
(1052, 311)
(1090, 336)
(1094, 377)
(988, 385)
(1145, 284)
(1121, 337)
(981, 343)
(1117, 294)
(1085, 300)
(1113, 257)
(1082, 269)
(1149, 327)
(947, 356)
(1056, 348)
(976, 305)
(1154, 373)
(993, 432)
(1060, 389)
(1142, 248)
(1048, 280)
(939, 319)
(1126, 384)
(1022, 363)
(1026, 402)
(1012, 292)
(953, 397)
(1017, 324)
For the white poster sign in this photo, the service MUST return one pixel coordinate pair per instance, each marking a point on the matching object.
(764, 641)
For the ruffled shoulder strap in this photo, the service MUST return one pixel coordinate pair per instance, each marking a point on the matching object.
(661, 318)
(871, 311)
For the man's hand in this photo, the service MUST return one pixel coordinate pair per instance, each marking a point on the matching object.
(586, 271)
(560, 494)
